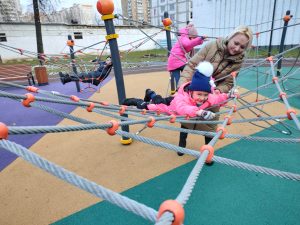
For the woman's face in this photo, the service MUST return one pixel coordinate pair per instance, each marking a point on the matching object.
(237, 44)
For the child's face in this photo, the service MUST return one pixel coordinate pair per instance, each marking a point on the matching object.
(200, 96)
(108, 61)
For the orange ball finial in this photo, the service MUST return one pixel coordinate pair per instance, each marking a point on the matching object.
(105, 7)
(167, 22)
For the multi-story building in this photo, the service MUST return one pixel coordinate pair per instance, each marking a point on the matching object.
(10, 10)
(180, 11)
(136, 10)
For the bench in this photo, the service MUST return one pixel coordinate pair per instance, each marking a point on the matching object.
(16, 72)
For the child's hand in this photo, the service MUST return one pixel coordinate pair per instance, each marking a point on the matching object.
(206, 115)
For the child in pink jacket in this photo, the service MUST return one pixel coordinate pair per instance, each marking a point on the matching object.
(190, 100)
(187, 41)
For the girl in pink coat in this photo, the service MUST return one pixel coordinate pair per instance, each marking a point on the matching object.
(178, 56)
(190, 100)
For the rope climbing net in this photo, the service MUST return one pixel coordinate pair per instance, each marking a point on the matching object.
(170, 211)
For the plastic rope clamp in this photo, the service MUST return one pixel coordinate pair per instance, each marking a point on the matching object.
(286, 18)
(29, 98)
(3, 131)
(234, 108)
(74, 98)
(32, 89)
(274, 79)
(126, 141)
(151, 122)
(270, 59)
(229, 121)
(282, 94)
(90, 107)
(122, 109)
(187, 117)
(233, 74)
(173, 118)
(210, 154)
(114, 126)
(288, 113)
(223, 132)
(257, 34)
(144, 111)
(158, 112)
(107, 17)
(104, 103)
(70, 43)
(173, 207)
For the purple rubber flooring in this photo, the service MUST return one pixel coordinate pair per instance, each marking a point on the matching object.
(13, 113)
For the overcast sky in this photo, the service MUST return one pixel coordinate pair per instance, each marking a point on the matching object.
(69, 3)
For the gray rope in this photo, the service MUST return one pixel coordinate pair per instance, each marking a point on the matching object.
(80, 182)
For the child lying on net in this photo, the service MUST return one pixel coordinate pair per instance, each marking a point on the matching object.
(191, 99)
(93, 77)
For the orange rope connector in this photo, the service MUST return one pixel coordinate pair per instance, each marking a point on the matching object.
(122, 109)
(143, 112)
(175, 208)
(223, 132)
(187, 117)
(74, 98)
(167, 22)
(234, 108)
(32, 89)
(274, 79)
(286, 18)
(282, 94)
(21, 51)
(229, 121)
(3, 131)
(158, 112)
(257, 34)
(288, 113)
(113, 128)
(270, 59)
(90, 107)
(233, 74)
(104, 103)
(151, 122)
(173, 118)
(210, 154)
(70, 43)
(29, 98)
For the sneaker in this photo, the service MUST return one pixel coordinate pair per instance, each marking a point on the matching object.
(158, 99)
(63, 78)
(148, 94)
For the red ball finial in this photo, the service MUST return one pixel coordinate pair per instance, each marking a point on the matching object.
(167, 22)
(105, 7)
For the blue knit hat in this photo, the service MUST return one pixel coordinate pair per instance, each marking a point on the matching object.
(201, 78)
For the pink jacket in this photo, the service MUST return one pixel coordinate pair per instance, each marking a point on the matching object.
(179, 60)
(184, 105)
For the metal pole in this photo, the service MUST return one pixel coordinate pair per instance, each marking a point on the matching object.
(169, 44)
(271, 36)
(112, 38)
(38, 32)
(72, 56)
(286, 20)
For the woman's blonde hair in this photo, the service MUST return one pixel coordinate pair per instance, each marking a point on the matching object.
(242, 30)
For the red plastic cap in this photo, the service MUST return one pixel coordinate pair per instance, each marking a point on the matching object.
(270, 59)
(3, 131)
(151, 122)
(113, 128)
(167, 22)
(210, 154)
(105, 7)
(229, 121)
(288, 113)
(74, 98)
(32, 89)
(173, 207)
(30, 98)
(223, 132)
(90, 107)
(122, 109)
(173, 118)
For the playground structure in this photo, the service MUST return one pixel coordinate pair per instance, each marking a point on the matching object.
(171, 211)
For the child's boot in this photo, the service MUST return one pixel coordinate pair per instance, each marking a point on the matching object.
(149, 94)
(182, 141)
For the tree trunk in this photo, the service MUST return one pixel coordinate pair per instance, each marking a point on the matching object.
(38, 31)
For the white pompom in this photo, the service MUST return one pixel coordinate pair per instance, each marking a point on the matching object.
(206, 68)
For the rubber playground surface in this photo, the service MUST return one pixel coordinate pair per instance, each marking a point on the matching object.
(150, 175)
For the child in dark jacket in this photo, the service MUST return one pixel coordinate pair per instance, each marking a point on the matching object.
(94, 77)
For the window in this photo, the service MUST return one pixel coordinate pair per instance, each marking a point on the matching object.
(3, 37)
(78, 35)
(172, 7)
(162, 8)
